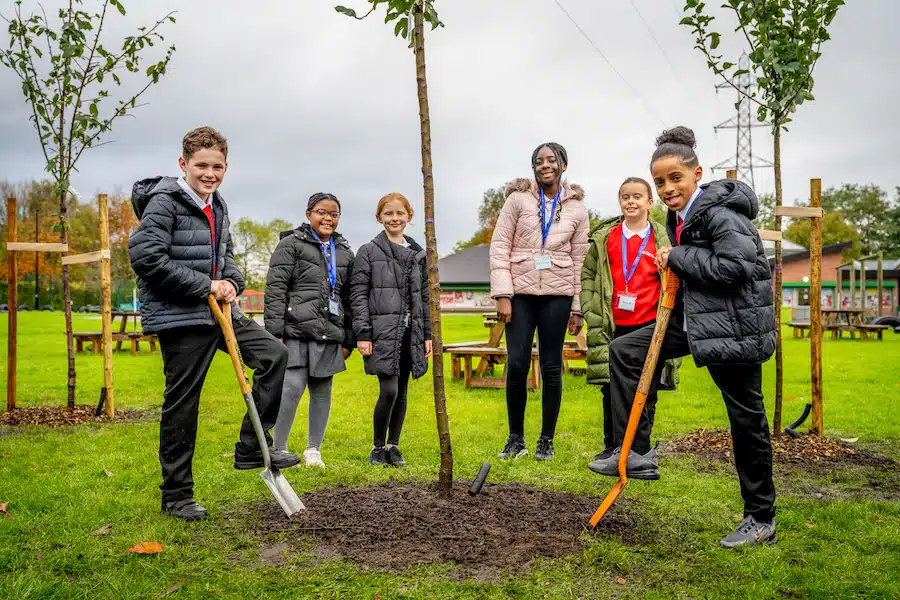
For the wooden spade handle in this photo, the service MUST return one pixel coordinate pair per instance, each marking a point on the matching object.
(224, 320)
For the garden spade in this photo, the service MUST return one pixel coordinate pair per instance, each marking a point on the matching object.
(285, 495)
(670, 290)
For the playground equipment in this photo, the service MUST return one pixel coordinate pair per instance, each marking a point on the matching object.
(107, 398)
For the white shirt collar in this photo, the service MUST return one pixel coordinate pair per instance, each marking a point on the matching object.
(683, 213)
(190, 192)
(630, 234)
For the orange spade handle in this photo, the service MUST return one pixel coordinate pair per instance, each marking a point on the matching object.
(670, 290)
(223, 316)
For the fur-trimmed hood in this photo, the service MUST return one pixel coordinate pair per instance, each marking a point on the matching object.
(572, 191)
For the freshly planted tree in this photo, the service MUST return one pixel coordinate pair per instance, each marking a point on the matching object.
(411, 16)
(66, 76)
(785, 38)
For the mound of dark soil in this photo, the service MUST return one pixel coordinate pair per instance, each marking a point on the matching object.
(809, 452)
(58, 416)
(403, 524)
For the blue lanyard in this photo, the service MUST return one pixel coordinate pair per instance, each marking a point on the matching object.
(629, 273)
(330, 259)
(546, 223)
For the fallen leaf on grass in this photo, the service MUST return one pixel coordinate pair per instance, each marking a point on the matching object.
(103, 530)
(169, 590)
(8, 454)
(810, 525)
(3, 507)
(850, 440)
(621, 581)
(585, 454)
(109, 473)
(146, 548)
(228, 454)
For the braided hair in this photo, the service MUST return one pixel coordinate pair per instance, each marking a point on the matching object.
(558, 151)
(321, 197)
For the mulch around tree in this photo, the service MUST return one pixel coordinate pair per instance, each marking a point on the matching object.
(398, 525)
(59, 416)
(808, 452)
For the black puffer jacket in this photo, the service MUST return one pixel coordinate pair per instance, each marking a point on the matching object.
(388, 282)
(297, 290)
(171, 253)
(725, 277)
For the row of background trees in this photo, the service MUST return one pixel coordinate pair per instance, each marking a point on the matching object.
(862, 214)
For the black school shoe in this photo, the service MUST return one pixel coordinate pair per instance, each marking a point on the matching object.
(544, 450)
(378, 457)
(395, 458)
(186, 510)
(281, 459)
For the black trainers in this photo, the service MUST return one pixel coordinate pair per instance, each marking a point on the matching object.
(186, 510)
(378, 457)
(750, 533)
(281, 459)
(544, 450)
(514, 448)
(395, 458)
(639, 466)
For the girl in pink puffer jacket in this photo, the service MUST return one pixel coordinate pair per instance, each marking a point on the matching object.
(537, 251)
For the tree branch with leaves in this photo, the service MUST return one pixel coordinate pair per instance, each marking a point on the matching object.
(67, 89)
(784, 39)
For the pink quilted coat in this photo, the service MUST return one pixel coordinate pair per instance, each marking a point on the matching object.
(517, 240)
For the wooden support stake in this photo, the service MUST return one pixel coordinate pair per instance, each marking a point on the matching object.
(110, 404)
(769, 235)
(13, 302)
(852, 284)
(815, 306)
(880, 284)
(799, 212)
(87, 257)
(36, 247)
(731, 174)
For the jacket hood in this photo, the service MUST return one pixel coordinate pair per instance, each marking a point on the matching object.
(573, 191)
(602, 229)
(144, 190)
(731, 193)
(304, 232)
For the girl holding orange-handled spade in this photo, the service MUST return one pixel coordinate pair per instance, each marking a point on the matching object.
(723, 316)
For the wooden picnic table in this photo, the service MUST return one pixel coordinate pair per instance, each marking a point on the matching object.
(851, 317)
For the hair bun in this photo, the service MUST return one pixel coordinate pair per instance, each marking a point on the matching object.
(678, 135)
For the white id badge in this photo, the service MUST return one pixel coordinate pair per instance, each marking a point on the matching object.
(627, 302)
(334, 306)
(542, 262)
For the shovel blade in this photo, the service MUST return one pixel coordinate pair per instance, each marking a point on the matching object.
(608, 501)
(284, 494)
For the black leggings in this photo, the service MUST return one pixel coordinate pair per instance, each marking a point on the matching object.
(550, 316)
(390, 411)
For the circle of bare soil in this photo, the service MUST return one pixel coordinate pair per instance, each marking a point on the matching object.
(397, 525)
(808, 452)
(60, 416)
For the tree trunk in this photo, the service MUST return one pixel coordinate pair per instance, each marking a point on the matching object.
(445, 475)
(67, 301)
(779, 375)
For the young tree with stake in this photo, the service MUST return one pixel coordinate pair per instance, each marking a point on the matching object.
(785, 39)
(65, 72)
(410, 17)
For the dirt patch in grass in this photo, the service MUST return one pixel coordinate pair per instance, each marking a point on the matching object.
(808, 452)
(398, 525)
(60, 416)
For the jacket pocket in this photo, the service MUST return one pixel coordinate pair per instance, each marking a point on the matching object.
(563, 262)
(732, 316)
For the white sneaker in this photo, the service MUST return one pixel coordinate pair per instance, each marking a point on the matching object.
(313, 458)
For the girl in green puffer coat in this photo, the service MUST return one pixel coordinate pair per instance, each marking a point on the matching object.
(620, 290)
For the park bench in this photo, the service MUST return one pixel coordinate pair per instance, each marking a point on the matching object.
(95, 339)
(461, 358)
(871, 331)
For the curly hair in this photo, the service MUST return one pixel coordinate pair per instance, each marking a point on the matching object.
(203, 138)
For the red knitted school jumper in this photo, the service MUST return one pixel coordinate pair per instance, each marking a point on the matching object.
(645, 281)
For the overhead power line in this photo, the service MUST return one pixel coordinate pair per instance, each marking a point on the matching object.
(609, 63)
(653, 37)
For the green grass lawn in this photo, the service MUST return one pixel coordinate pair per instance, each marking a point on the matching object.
(845, 544)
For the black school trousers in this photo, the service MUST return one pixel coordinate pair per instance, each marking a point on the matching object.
(187, 353)
(645, 426)
(550, 316)
(741, 387)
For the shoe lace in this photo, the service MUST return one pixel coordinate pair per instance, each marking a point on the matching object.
(746, 526)
(511, 443)
(544, 446)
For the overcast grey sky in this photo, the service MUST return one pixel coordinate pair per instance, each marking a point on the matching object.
(313, 101)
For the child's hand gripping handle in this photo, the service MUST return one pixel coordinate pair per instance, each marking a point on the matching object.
(224, 319)
(670, 291)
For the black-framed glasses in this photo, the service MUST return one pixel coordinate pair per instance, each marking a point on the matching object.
(321, 212)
